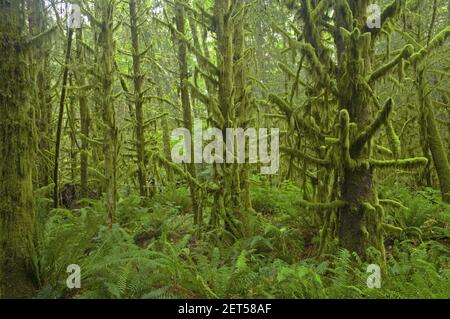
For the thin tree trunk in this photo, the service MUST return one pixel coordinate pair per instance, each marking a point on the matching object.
(40, 76)
(435, 142)
(138, 80)
(105, 87)
(84, 115)
(60, 120)
(186, 104)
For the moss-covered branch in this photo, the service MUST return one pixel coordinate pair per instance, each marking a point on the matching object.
(394, 140)
(408, 163)
(344, 119)
(322, 206)
(177, 168)
(286, 109)
(406, 52)
(211, 66)
(394, 203)
(435, 43)
(317, 67)
(370, 131)
(392, 229)
(309, 158)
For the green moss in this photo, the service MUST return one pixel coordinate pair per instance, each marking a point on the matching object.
(394, 203)
(383, 150)
(392, 229)
(317, 67)
(345, 138)
(433, 137)
(435, 43)
(17, 214)
(394, 140)
(369, 132)
(322, 206)
(309, 158)
(409, 163)
(384, 69)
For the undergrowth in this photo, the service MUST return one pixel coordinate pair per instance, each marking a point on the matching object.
(151, 252)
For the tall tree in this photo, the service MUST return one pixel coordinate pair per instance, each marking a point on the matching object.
(345, 76)
(138, 79)
(186, 101)
(84, 112)
(105, 89)
(17, 144)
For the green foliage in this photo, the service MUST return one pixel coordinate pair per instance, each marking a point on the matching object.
(276, 200)
(153, 254)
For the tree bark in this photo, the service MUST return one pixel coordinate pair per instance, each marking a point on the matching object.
(60, 120)
(434, 139)
(138, 81)
(105, 90)
(17, 216)
(186, 104)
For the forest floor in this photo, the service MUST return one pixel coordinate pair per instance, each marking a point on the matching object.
(151, 251)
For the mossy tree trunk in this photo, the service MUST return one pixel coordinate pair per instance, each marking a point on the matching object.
(186, 105)
(138, 79)
(84, 114)
(232, 199)
(17, 217)
(433, 137)
(59, 125)
(357, 182)
(353, 212)
(105, 87)
(40, 72)
(243, 117)
(225, 201)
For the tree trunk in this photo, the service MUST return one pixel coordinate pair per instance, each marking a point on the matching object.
(356, 187)
(17, 217)
(434, 139)
(84, 115)
(60, 120)
(42, 89)
(138, 80)
(186, 104)
(106, 92)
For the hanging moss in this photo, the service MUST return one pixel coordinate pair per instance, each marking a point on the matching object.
(392, 229)
(322, 206)
(287, 70)
(394, 203)
(383, 150)
(369, 132)
(345, 138)
(434, 140)
(409, 163)
(394, 140)
(406, 52)
(317, 67)
(298, 120)
(309, 158)
(435, 43)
